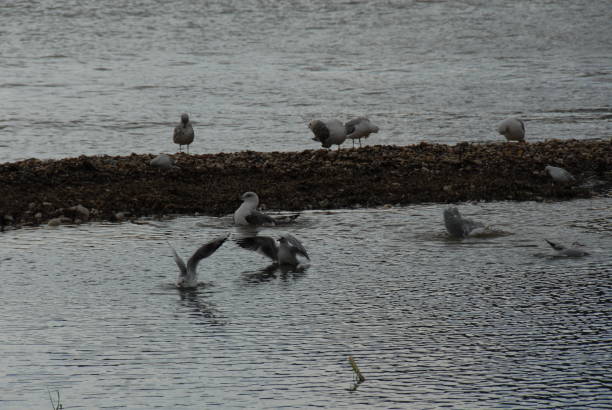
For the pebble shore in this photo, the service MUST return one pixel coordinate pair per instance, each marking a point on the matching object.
(111, 188)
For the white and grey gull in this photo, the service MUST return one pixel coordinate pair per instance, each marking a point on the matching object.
(188, 274)
(163, 161)
(328, 132)
(513, 129)
(359, 128)
(458, 226)
(285, 251)
(562, 250)
(183, 133)
(247, 213)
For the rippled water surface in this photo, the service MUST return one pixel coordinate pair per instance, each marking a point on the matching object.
(108, 77)
(91, 311)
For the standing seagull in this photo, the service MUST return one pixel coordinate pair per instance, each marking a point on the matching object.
(569, 252)
(247, 213)
(359, 128)
(559, 174)
(458, 226)
(188, 275)
(513, 129)
(183, 133)
(329, 132)
(284, 252)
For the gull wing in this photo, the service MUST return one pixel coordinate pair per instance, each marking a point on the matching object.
(258, 218)
(296, 245)
(205, 251)
(178, 260)
(260, 244)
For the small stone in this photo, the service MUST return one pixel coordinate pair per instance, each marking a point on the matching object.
(54, 222)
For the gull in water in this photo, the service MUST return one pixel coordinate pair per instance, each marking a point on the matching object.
(188, 275)
(458, 226)
(283, 252)
(359, 128)
(564, 251)
(513, 129)
(328, 133)
(559, 174)
(247, 213)
(183, 133)
(163, 161)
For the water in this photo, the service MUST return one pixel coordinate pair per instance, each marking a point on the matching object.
(91, 310)
(102, 77)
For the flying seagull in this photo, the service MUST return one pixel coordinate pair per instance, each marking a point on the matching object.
(564, 251)
(283, 252)
(328, 132)
(359, 128)
(247, 213)
(183, 133)
(458, 226)
(188, 275)
(513, 129)
(559, 174)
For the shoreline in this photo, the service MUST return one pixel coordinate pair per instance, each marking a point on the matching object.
(111, 188)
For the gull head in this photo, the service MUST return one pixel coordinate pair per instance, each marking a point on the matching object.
(249, 197)
(184, 118)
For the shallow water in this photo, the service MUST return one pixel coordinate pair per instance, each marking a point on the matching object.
(101, 77)
(91, 311)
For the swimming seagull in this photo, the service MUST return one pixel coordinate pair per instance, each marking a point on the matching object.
(328, 133)
(183, 133)
(359, 128)
(564, 251)
(188, 275)
(559, 174)
(283, 252)
(460, 227)
(513, 129)
(163, 161)
(247, 213)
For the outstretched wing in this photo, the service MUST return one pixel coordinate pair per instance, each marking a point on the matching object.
(205, 251)
(555, 246)
(258, 218)
(261, 244)
(178, 260)
(285, 219)
(296, 245)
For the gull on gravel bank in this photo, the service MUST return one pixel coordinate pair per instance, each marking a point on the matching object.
(188, 275)
(559, 174)
(283, 252)
(163, 161)
(562, 250)
(247, 213)
(328, 132)
(513, 129)
(458, 226)
(359, 128)
(183, 133)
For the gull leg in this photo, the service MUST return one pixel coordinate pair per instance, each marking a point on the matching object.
(359, 142)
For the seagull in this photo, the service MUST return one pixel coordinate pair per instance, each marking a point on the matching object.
(283, 252)
(569, 252)
(247, 213)
(329, 132)
(460, 227)
(183, 133)
(188, 275)
(359, 128)
(163, 161)
(513, 129)
(559, 174)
